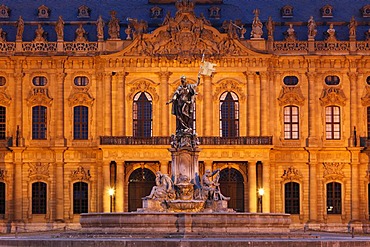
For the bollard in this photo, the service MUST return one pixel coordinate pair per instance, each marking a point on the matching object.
(64, 228)
(353, 232)
(16, 232)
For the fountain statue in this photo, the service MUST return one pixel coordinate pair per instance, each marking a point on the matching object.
(186, 192)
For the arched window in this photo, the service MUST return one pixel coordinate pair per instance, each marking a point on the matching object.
(332, 122)
(39, 122)
(291, 193)
(232, 185)
(332, 80)
(81, 81)
(142, 115)
(368, 80)
(80, 122)
(80, 197)
(39, 81)
(229, 115)
(2, 198)
(2, 123)
(291, 122)
(141, 182)
(39, 198)
(334, 198)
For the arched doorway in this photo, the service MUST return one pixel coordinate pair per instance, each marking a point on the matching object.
(140, 183)
(232, 185)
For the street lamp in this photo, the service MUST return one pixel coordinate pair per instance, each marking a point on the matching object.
(261, 192)
(111, 193)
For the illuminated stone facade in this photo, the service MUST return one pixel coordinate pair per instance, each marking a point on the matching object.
(300, 106)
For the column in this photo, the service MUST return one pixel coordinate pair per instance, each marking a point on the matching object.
(99, 109)
(18, 110)
(107, 113)
(163, 98)
(355, 188)
(353, 107)
(59, 191)
(17, 191)
(251, 104)
(264, 104)
(266, 187)
(106, 186)
(119, 187)
(59, 110)
(114, 101)
(312, 140)
(252, 186)
(207, 106)
(121, 104)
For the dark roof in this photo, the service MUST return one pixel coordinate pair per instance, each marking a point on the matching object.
(343, 10)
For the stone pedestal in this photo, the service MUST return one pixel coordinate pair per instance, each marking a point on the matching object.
(185, 163)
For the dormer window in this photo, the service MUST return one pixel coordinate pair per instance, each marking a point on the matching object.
(327, 11)
(83, 12)
(287, 11)
(4, 11)
(43, 12)
(214, 12)
(156, 12)
(365, 11)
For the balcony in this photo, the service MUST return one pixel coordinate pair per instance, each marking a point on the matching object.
(205, 140)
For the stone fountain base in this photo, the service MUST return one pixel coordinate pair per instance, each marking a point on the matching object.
(145, 224)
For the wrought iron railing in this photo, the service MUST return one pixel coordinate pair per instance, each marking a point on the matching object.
(205, 140)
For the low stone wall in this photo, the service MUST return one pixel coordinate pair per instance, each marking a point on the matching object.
(185, 224)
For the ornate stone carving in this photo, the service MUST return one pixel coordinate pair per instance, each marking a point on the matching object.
(3, 175)
(40, 34)
(39, 170)
(184, 37)
(366, 98)
(312, 31)
(80, 96)
(39, 96)
(113, 26)
(332, 95)
(333, 170)
(291, 95)
(5, 99)
(229, 85)
(80, 174)
(292, 174)
(290, 34)
(142, 86)
(257, 25)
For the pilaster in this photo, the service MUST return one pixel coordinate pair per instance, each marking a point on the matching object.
(164, 97)
(252, 186)
(208, 106)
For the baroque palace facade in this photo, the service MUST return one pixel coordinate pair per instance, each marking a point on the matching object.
(83, 106)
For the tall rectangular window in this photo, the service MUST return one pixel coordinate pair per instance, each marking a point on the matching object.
(39, 198)
(39, 122)
(229, 115)
(291, 123)
(332, 123)
(80, 197)
(142, 115)
(80, 122)
(2, 198)
(292, 198)
(2, 123)
(334, 198)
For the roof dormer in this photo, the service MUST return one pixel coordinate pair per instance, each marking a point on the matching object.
(83, 12)
(4, 11)
(43, 12)
(365, 11)
(287, 11)
(327, 11)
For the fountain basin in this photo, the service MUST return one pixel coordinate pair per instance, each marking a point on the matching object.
(185, 205)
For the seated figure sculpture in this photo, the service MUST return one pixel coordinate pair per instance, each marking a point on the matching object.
(211, 188)
(163, 189)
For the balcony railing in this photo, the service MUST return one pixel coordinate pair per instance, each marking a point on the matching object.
(205, 140)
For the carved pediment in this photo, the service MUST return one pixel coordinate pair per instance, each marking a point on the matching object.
(229, 85)
(5, 99)
(333, 95)
(291, 174)
(80, 174)
(291, 96)
(38, 171)
(39, 96)
(143, 86)
(80, 97)
(333, 171)
(185, 37)
(366, 98)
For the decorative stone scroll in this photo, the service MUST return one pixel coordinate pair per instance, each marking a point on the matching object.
(291, 95)
(39, 171)
(291, 174)
(80, 96)
(333, 171)
(39, 96)
(80, 174)
(333, 95)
